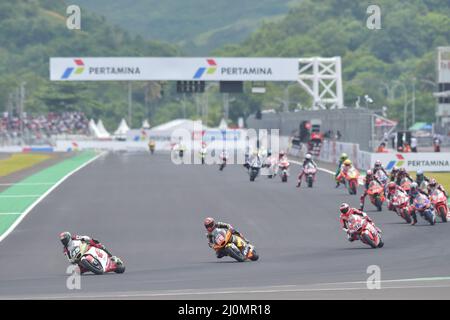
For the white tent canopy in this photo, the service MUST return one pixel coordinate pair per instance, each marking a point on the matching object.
(102, 131)
(145, 124)
(223, 124)
(93, 128)
(122, 129)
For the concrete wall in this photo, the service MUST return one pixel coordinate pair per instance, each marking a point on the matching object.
(355, 125)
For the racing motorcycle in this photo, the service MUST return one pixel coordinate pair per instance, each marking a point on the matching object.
(400, 201)
(255, 167)
(95, 260)
(405, 183)
(242, 251)
(223, 158)
(203, 155)
(272, 165)
(376, 194)
(423, 205)
(284, 165)
(424, 186)
(310, 174)
(382, 177)
(351, 177)
(439, 201)
(365, 230)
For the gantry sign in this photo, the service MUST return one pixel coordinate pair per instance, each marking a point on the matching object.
(322, 81)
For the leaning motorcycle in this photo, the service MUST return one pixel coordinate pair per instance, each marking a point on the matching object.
(95, 260)
(423, 205)
(405, 183)
(439, 201)
(400, 201)
(241, 251)
(351, 177)
(376, 194)
(366, 231)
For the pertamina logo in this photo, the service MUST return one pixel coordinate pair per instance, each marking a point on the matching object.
(398, 163)
(78, 69)
(209, 70)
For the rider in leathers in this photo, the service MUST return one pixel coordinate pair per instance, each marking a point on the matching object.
(67, 241)
(369, 178)
(346, 213)
(308, 159)
(211, 225)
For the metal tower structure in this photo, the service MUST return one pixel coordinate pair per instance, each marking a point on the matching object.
(322, 80)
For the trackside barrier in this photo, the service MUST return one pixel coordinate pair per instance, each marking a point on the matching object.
(427, 161)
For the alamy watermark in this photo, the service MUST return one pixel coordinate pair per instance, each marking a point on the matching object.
(73, 282)
(374, 279)
(73, 21)
(190, 148)
(373, 22)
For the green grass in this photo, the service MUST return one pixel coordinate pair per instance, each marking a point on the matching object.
(441, 177)
(20, 161)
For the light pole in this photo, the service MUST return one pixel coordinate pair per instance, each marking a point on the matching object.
(405, 107)
(414, 101)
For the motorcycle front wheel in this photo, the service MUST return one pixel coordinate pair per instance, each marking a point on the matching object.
(443, 214)
(94, 267)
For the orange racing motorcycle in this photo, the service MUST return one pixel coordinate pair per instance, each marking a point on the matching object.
(241, 251)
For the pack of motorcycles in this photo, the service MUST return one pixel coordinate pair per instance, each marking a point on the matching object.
(98, 262)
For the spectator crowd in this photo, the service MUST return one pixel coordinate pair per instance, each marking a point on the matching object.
(43, 126)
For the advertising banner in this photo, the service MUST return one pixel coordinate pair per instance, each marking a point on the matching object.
(168, 69)
(427, 161)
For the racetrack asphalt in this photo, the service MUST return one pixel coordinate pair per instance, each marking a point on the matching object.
(149, 212)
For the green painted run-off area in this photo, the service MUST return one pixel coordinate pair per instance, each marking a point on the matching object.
(17, 198)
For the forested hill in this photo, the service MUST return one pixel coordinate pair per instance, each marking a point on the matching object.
(198, 26)
(405, 46)
(34, 30)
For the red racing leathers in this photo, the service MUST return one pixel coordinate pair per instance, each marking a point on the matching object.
(343, 219)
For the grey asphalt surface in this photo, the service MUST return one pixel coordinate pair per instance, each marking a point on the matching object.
(149, 212)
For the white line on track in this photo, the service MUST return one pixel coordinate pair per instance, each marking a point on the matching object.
(10, 213)
(42, 197)
(318, 168)
(339, 286)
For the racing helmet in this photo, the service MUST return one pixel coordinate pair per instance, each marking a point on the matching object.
(394, 170)
(210, 224)
(402, 171)
(308, 156)
(65, 238)
(419, 172)
(378, 164)
(344, 156)
(432, 183)
(392, 186)
(369, 173)
(414, 186)
(344, 208)
(348, 162)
